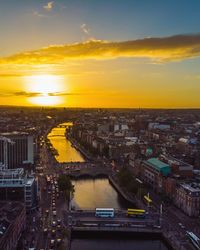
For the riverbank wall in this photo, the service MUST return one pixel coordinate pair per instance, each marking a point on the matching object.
(140, 234)
(75, 144)
(120, 191)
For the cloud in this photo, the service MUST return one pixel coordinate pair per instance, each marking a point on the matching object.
(85, 29)
(35, 94)
(163, 49)
(20, 93)
(49, 6)
(38, 14)
(10, 75)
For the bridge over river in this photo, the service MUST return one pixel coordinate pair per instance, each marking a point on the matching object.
(85, 220)
(83, 169)
(77, 170)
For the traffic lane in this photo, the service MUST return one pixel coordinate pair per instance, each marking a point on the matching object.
(120, 220)
(182, 225)
(175, 232)
(123, 214)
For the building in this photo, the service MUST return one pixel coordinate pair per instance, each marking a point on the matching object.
(16, 185)
(181, 169)
(17, 153)
(12, 224)
(155, 125)
(152, 172)
(187, 198)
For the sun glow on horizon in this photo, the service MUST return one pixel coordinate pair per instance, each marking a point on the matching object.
(46, 89)
(45, 100)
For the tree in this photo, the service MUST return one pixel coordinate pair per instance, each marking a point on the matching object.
(127, 180)
(65, 185)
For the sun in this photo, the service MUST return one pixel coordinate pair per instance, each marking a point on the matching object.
(44, 89)
(46, 100)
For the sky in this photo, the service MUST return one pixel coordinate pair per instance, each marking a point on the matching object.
(108, 53)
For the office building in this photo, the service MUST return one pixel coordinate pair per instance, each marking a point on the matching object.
(16, 185)
(16, 149)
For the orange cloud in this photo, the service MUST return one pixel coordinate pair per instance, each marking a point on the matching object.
(171, 48)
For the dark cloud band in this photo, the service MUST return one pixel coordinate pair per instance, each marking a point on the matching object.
(34, 94)
(177, 47)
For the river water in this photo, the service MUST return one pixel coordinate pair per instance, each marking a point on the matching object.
(89, 193)
(117, 244)
(66, 153)
(92, 193)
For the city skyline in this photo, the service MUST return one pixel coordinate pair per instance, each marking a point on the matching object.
(100, 54)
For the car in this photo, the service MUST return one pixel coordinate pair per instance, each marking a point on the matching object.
(54, 223)
(52, 242)
(58, 240)
(157, 226)
(59, 221)
(53, 232)
(54, 212)
(181, 225)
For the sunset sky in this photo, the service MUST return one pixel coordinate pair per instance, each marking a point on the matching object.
(106, 53)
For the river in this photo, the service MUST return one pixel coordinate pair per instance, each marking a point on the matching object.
(66, 153)
(97, 193)
(92, 193)
(89, 193)
(117, 244)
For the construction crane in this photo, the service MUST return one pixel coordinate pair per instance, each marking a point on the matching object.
(5, 153)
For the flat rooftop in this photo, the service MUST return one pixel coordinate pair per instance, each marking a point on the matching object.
(13, 133)
(158, 165)
(191, 187)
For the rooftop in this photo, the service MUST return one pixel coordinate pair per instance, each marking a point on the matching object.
(15, 178)
(158, 165)
(191, 187)
(14, 133)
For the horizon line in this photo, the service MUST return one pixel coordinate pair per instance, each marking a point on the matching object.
(74, 107)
